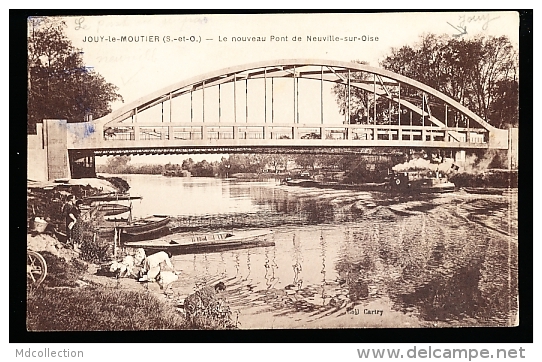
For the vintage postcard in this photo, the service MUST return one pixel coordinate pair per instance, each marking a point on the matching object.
(273, 171)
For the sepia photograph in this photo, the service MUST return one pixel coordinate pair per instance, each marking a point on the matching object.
(272, 171)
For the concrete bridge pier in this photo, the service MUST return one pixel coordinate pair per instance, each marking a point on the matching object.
(49, 158)
(48, 151)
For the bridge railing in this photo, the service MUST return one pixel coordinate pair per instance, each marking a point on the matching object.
(272, 131)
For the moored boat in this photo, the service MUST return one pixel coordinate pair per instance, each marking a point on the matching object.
(421, 181)
(147, 224)
(484, 190)
(209, 242)
(146, 234)
(113, 209)
(301, 182)
(109, 197)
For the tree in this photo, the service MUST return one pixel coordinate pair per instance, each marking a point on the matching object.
(203, 169)
(479, 73)
(306, 160)
(359, 102)
(188, 165)
(59, 84)
(117, 164)
(276, 161)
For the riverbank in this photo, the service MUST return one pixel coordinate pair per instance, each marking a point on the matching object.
(76, 294)
(73, 297)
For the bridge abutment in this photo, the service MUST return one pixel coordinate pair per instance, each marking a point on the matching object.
(49, 157)
(56, 144)
(37, 156)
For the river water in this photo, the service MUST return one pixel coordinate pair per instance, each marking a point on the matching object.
(347, 259)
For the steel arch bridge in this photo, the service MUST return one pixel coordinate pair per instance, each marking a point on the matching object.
(272, 106)
(396, 111)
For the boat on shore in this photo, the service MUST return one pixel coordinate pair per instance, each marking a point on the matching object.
(208, 242)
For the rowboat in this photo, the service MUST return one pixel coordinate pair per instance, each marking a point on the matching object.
(301, 182)
(146, 234)
(109, 197)
(147, 224)
(483, 190)
(209, 242)
(112, 209)
(146, 228)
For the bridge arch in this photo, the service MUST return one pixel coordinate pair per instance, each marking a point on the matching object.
(287, 68)
(120, 132)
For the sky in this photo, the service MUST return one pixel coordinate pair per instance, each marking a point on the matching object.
(139, 68)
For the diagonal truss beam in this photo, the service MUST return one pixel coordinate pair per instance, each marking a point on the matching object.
(282, 68)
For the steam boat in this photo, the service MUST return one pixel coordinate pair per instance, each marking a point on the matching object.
(420, 181)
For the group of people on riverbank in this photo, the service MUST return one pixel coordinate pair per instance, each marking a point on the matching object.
(156, 267)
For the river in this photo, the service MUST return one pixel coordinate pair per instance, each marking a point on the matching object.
(347, 259)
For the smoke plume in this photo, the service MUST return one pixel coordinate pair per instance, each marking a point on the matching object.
(421, 164)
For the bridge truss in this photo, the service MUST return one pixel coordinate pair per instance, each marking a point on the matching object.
(286, 104)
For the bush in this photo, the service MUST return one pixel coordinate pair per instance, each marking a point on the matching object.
(204, 310)
(95, 249)
(120, 184)
(61, 272)
(493, 178)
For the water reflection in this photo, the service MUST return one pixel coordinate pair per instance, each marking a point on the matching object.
(422, 259)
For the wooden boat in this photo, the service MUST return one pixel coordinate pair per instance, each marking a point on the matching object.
(484, 190)
(109, 197)
(139, 229)
(145, 234)
(209, 242)
(113, 209)
(147, 224)
(301, 182)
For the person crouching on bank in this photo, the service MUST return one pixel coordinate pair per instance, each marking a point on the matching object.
(154, 265)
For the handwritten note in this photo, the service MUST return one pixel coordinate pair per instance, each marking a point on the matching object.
(473, 20)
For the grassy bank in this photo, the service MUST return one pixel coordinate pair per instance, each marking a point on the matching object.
(98, 309)
(60, 303)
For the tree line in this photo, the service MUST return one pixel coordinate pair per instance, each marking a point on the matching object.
(480, 73)
(259, 164)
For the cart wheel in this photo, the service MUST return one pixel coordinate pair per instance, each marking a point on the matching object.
(36, 268)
